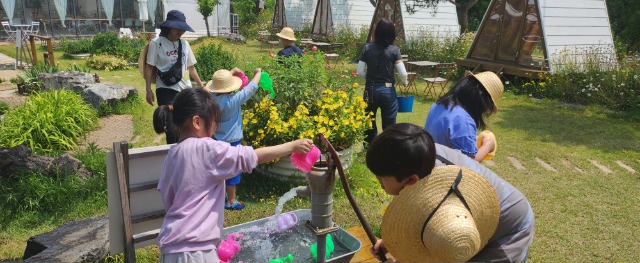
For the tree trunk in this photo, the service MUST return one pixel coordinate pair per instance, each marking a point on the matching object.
(206, 23)
(373, 2)
(463, 15)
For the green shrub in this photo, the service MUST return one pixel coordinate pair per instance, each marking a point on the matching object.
(3, 107)
(250, 20)
(353, 40)
(78, 46)
(48, 122)
(107, 62)
(129, 48)
(77, 68)
(616, 87)
(105, 43)
(297, 80)
(212, 57)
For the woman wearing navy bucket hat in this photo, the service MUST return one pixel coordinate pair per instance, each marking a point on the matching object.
(173, 61)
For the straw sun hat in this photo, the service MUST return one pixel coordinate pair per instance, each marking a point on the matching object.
(491, 82)
(427, 222)
(287, 33)
(223, 81)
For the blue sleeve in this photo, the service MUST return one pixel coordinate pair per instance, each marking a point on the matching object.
(398, 55)
(462, 133)
(243, 95)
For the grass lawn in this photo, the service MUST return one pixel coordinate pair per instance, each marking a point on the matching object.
(580, 216)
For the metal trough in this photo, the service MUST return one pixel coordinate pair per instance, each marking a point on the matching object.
(261, 244)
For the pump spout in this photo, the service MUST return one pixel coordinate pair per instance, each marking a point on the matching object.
(303, 191)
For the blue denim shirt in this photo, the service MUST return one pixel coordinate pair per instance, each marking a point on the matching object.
(230, 125)
(452, 127)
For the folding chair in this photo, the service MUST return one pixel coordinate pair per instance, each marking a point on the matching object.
(411, 77)
(443, 73)
(332, 56)
(11, 33)
(35, 28)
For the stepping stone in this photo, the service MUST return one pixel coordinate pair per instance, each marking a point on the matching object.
(517, 164)
(489, 163)
(158, 138)
(601, 167)
(546, 165)
(570, 165)
(626, 167)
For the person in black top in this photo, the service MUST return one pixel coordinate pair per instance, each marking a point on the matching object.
(287, 40)
(379, 58)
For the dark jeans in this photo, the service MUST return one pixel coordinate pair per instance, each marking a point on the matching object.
(165, 97)
(379, 96)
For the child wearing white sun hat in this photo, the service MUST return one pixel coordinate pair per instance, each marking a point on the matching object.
(222, 86)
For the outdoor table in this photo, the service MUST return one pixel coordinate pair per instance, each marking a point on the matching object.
(419, 68)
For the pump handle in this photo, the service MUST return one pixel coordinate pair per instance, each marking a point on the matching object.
(347, 190)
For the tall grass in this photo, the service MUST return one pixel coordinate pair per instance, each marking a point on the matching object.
(49, 122)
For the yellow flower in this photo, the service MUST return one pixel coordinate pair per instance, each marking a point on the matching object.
(355, 85)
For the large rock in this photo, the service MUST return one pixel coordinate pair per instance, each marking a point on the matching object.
(75, 81)
(85, 240)
(98, 93)
(21, 159)
(236, 38)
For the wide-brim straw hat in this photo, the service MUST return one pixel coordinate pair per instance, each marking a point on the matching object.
(453, 233)
(491, 82)
(287, 33)
(223, 81)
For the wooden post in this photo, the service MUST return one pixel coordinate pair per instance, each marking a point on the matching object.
(52, 60)
(121, 150)
(34, 53)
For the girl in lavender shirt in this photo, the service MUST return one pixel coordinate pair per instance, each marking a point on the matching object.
(192, 184)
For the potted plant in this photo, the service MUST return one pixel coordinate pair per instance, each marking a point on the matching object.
(80, 48)
(306, 104)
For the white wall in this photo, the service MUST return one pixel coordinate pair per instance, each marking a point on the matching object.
(195, 19)
(573, 27)
(358, 14)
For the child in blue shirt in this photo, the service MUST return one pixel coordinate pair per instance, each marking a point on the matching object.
(222, 85)
(455, 118)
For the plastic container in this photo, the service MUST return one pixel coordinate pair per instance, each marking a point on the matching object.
(266, 83)
(286, 221)
(229, 248)
(304, 162)
(244, 78)
(405, 103)
(488, 134)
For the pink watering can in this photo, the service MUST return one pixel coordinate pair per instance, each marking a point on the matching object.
(286, 221)
(304, 162)
(229, 248)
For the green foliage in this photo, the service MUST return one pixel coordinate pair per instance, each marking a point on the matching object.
(624, 17)
(212, 57)
(251, 21)
(28, 193)
(78, 46)
(119, 107)
(105, 43)
(77, 68)
(107, 63)
(616, 88)
(129, 48)
(353, 40)
(48, 122)
(3, 107)
(125, 48)
(436, 48)
(297, 80)
(29, 82)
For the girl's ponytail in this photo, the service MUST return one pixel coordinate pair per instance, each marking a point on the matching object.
(160, 118)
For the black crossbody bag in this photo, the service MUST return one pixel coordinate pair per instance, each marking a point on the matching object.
(174, 74)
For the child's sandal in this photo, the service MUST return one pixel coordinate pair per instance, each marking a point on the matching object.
(235, 206)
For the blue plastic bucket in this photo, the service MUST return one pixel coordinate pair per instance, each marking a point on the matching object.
(405, 103)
